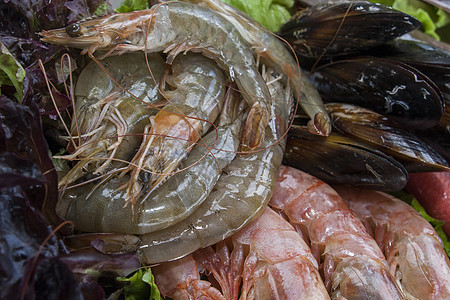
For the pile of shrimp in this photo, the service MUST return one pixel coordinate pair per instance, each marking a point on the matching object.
(186, 155)
(185, 152)
(366, 245)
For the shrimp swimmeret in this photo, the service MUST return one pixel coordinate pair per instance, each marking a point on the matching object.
(175, 27)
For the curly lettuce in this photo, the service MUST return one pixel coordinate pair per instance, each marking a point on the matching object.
(141, 286)
(11, 73)
(269, 13)
(132, 5)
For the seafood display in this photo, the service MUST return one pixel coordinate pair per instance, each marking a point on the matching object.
(353, 265)
(412, 248)
(169, 140)
(249, 260)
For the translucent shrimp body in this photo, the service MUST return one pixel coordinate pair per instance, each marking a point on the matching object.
(175, 27)
(195, 102)
(276, 55)
(241, 193)
(98, 206)
(412, 248)
(353, 265)
(108, 122)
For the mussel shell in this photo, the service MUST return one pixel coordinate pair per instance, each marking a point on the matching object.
(445, 120)
(437, 137)
(365, 25)
(379, 132)
(337, 159)
(388, 87)
(432, 61)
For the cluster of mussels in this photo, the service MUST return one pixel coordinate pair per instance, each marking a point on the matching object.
(388, 96)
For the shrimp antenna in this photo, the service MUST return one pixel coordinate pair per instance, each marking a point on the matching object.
(333, 38)
(47, 81)
(70, 93)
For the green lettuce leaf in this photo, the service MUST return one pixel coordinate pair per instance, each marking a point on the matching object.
(437, 224)
(131, 5)
(269, 13)
(11, 72)
(431, 17)
(141, 286)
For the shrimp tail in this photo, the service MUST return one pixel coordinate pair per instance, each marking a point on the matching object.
(254, 128)
(320, 125)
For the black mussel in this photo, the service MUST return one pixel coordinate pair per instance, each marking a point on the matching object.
(432, 61)
(385, 86)
(445, 120)
(351, 26)
(337, 159)
(437, 137)
(381, 133)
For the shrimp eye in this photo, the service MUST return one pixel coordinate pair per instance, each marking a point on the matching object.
(73, 30)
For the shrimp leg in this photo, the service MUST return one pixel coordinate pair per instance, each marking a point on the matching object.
(266, 266)
(195, 103)
(104, 112)
(175, 27)
(180, 279)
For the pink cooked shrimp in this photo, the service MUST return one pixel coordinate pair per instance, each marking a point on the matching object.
(353, 265)
(267, 259)
(413, 249)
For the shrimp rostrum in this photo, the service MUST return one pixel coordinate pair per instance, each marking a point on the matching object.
(173, 28)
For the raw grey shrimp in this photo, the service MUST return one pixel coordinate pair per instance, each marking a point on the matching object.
(276, 55)
(175, 27)
(412, 247)
(107, 121)
(195, 103)
(248, 266)
(240, 194)
(98, 206)
(352, 263)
